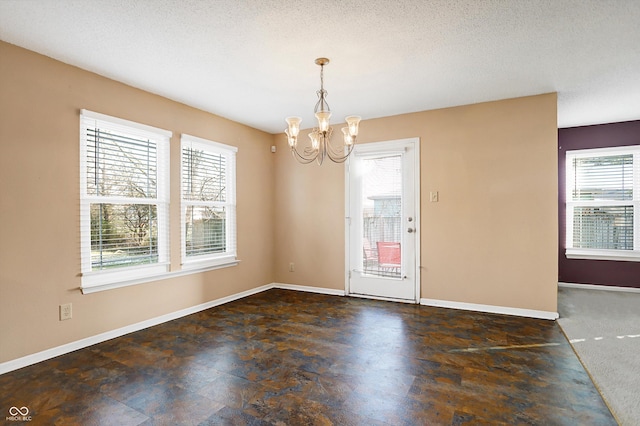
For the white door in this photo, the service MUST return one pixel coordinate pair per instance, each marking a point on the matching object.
(382, 209)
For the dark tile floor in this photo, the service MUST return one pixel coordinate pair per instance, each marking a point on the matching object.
(292, 358)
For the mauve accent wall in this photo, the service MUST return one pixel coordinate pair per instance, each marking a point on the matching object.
(601, 272)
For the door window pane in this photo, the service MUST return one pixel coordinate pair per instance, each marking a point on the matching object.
(382, 216)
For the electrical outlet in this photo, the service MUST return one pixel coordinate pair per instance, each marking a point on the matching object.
(65, 312)
(292, 267)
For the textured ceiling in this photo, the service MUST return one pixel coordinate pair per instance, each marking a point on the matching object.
(253, 60)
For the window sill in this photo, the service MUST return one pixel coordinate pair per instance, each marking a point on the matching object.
(207, 264)
(191, 269)
(616, 255)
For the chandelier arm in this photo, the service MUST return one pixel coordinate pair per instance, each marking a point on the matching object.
(301, 158)
(322, 146)
(311, 153)
(340, 158)
(336, 151)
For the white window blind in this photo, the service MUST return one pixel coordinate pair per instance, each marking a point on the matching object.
(208, 202)
(124, 199)
(603, 197)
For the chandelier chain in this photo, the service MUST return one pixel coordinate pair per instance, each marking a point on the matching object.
(322, 102)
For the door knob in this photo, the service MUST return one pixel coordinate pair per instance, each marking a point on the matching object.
(410, 230)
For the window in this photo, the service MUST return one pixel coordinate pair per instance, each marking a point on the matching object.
(208, 203)
(124, 200)
(603, 201)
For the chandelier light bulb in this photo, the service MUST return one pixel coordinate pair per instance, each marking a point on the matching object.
(293, 130)
(294, 126)
(315, 140)
(348, 139)
(323, 120)
(292, 140)
(353, 121)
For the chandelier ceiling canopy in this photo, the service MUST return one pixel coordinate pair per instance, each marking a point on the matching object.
(320, 145)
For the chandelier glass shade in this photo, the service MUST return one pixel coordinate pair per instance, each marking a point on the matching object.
(320, 146)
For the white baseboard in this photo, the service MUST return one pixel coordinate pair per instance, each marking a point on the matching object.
(385, 299)
(25, 361)
(15, 364)
(530, 313)
(320, 290)
(600, 287)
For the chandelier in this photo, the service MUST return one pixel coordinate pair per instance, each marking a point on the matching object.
(321, 146)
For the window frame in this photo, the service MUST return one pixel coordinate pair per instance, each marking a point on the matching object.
(94, 280)
(602, 254)
(229, 256)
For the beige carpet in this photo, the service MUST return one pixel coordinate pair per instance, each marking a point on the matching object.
(604, 329)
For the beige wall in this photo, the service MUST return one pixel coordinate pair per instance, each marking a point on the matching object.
(40, 101)
(492, 237)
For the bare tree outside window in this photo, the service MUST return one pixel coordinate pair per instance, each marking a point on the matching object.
(122, 167)
(208, 199)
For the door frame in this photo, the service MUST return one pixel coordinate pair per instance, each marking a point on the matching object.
(381, 147)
